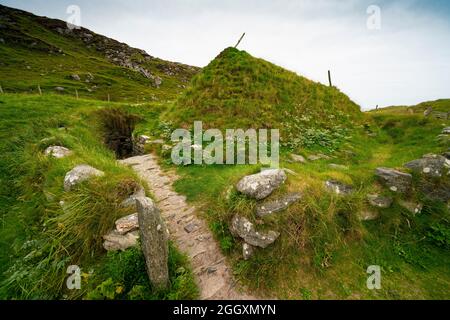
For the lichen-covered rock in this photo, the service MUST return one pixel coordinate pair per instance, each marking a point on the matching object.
(338, 187)
(127, 224)
(57, 152)
(243, 228)
(269, 207)
(154, 240)
(79, 174)
(247, 251)
(395, 180)
(379, 201)
(432, 165)
(261, 185)
(115, 241)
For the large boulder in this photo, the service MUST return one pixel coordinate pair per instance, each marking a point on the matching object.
(269, 207)
(432, 165)
(79, 174)
(154, 240)
(395, 180)
(261, 185)
(57, 152)
(243, 228)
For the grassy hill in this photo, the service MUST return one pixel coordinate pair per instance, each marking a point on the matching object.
(237, 90)
(38, 51)
(441, 105)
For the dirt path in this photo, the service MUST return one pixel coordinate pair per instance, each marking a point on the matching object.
(190, 233)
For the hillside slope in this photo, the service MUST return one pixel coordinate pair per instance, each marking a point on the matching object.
(38, 51)
(239, 90)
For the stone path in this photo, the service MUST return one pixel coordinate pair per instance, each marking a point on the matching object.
(190, 233)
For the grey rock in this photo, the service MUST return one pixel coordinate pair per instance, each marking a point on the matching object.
(131, 200)
(269, 207)
(154, 240)
(247, 251)
(127, 224)
(243, 228)
(430, 165)
(191, 227)
(379, 201)
(75, 77)
(79, 174)
(319, 156)
(115, 241)
(395, 180)
(338, 166)
(368, 215)
(338, 187)
(57, 152)
(261, 185)
(446, 130)
(60, 89)
(297, 158)
(414, 208)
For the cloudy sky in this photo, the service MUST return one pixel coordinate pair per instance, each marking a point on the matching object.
(403, 57)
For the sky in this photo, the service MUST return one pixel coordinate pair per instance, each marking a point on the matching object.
(379, 52)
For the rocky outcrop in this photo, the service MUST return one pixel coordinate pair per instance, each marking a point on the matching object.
(269, 207)
(261, 185)
(154, 240)
(79, 174)
(57, 152)
(430, 165)
(338, 187)
(243, 228)
(379, 201)
(395, 180)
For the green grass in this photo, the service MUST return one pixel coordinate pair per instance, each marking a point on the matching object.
(237, 90)
(324, 249)
(40, 237)
(35, 54)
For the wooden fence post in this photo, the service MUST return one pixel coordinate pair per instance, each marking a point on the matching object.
(39, 90)
(76, 94)
(1, 89)
(240, 39)
(329, 78)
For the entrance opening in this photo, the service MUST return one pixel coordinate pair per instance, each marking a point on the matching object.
(117, 126)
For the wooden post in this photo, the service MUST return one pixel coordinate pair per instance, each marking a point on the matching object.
(109, 98)
(329, 78)
(1, 89)
(39, 90)
(76, 93)
(240, 39)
